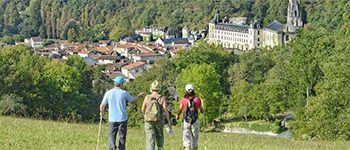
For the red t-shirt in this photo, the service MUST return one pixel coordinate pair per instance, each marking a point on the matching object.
(197, 102)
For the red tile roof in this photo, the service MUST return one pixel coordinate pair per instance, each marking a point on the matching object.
(102, 49)
(113, 75)
(134, 65)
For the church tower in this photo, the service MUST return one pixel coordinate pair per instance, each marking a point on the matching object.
(294, 18)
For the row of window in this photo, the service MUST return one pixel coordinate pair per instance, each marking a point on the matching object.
(232, 33)
(231, 39)
(242, 30)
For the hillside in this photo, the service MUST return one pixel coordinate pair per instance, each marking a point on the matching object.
(34, 134)
(308, 77)
(52, 19)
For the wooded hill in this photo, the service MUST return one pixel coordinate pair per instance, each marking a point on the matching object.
(101, 19)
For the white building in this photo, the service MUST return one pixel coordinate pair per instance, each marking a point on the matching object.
(149, 58)
(106, 59)
(134, 70)
(35, 42)
(237, 34)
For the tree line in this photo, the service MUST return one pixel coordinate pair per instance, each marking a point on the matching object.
(35, 86)
(93, 20)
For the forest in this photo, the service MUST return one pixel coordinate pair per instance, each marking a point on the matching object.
(308, 77)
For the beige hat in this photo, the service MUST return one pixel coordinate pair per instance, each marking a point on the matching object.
(154, 86)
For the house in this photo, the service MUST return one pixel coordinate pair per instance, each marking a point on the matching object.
(123, 49)
(127, 40)
(106, 59)
(116, 74)
(104, 43)
(90, 61)
(146, 36)
(164, 42)
(103, 50)
(35, 42)
(134, 70)
(115, 67)
(128, 50)
(149, 58)
(76, 49)
(152, 33)
(180, 42)
(84, 53)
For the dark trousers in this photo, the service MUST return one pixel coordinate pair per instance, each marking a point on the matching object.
(114, 128)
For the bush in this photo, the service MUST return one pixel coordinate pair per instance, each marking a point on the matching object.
(12, 105)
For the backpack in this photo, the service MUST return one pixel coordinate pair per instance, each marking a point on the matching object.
(153, 111)
(191, 115)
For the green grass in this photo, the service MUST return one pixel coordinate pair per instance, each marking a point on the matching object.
(26, 134)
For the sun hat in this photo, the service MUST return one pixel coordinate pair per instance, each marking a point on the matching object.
(154, 86)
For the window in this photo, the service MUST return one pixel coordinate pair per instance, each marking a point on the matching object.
(258, 32)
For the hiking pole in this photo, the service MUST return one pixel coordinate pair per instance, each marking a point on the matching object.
(99, 131)
(205, 136)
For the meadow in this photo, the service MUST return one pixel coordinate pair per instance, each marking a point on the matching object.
(18, 134)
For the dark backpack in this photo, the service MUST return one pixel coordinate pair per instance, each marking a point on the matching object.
(191, 115)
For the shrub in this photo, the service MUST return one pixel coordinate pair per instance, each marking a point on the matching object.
(12, 105)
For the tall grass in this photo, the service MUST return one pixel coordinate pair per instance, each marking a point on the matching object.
(18, 134)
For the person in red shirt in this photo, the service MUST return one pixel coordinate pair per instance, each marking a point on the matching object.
(190, 104)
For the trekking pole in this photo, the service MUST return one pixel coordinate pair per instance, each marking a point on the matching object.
(205, 136)
(99, 131)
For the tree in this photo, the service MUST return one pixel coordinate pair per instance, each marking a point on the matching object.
(11, 19)
(71, 35)
(204, 53)
(240, 105)
(207, 86)
(72, 24)
(34, 20)
(121, 30)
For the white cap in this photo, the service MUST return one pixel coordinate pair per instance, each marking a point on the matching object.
(189, 87)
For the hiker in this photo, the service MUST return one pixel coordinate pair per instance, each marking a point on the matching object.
(117, 99)
(190, 104)
(153, 108)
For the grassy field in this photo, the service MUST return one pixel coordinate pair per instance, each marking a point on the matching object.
(26, 134)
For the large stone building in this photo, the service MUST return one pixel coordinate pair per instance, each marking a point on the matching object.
(235, 33)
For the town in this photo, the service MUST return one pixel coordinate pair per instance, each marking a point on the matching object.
(133, 55)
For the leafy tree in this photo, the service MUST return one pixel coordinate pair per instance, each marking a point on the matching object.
(8, 40)
(11, 19)
(33, 23)
(71, 35)
(209, 54)
(240, 104)
(72, 24)
(326, 115)
(206, 81)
